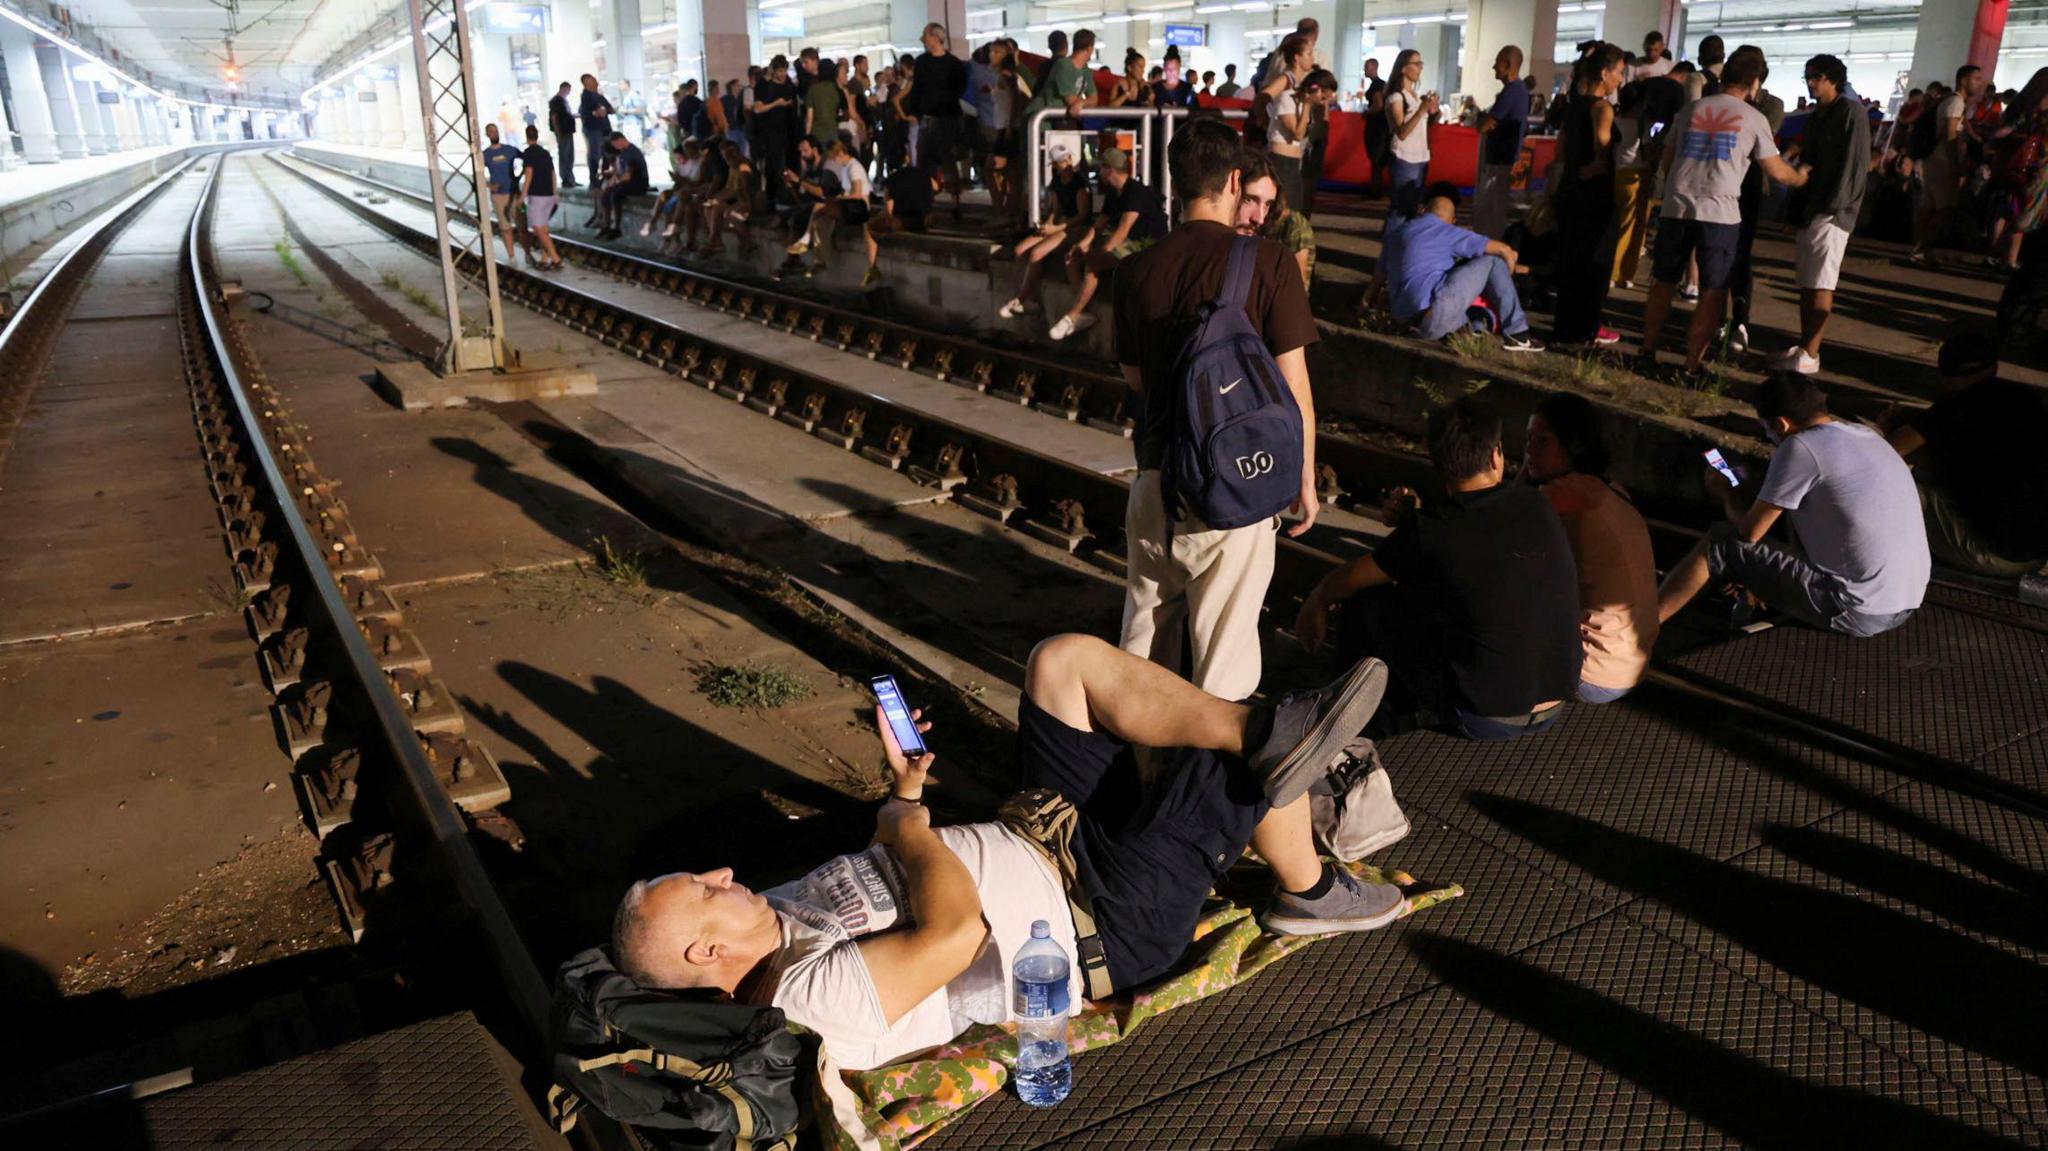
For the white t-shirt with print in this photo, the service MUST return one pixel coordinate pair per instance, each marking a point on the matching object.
(853, 179)
(1717, 139)
(1414, 148)
(820, 979)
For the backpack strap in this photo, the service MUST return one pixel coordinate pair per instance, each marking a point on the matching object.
(1237, 274)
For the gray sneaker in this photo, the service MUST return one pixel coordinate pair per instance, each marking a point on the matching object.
(1349, 905)
(1310, 728)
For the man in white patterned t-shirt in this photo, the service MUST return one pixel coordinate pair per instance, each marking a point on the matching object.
(895, 950)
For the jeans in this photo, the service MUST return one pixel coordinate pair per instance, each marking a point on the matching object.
(1742, 281)
(593, 154)
(1789, 583)
(565, 147)
(1487, 277)
(1406, 188)
(1593, 693)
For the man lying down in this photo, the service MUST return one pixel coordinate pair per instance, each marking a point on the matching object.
(893, 951)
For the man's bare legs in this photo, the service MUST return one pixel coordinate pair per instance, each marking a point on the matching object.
(1090, 685)
(1706, 324)
(1656, 309)
(1815, 306)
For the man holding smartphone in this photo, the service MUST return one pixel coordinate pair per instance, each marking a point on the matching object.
(1852, 503)
(887, 953)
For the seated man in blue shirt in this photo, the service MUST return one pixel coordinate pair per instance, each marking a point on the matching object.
(1433, 270)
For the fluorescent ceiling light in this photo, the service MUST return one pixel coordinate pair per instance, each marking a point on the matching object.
(1250, 6)
(1120, 18)
(1208, 9)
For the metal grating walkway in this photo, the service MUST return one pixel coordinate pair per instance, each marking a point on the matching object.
(1679, 932)
(433, 1086)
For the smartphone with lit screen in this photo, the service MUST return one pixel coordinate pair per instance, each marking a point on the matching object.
(1720, 463)
(897, 713)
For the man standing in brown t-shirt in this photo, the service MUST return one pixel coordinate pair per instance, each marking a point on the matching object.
(1205, 582)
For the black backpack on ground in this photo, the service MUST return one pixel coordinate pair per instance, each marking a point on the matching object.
(684, 1071)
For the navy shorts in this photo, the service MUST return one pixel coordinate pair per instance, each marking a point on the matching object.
(1679, 240)
(1147, 856)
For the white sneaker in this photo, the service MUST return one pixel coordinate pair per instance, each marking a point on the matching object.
(802, 245)
(1689, 291)
(647, 228)
(1795, 359)
(1068, 325)
(1738, 340)
(1011, 310)
(669, 233)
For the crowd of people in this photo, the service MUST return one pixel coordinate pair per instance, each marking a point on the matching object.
(1509, 594)
(1501, 600)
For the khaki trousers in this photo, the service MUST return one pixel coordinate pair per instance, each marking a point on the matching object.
(1209, 586)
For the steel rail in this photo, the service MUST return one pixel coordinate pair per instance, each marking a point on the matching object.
(31, 331)
(1297, 566)
(1059, 388)
(421, 795)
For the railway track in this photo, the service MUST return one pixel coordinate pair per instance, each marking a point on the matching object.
(352, 700)
(1056, 501)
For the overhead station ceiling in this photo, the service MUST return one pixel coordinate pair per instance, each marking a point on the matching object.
(277, 44)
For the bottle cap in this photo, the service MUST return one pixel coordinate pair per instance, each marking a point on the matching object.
(1040, 929)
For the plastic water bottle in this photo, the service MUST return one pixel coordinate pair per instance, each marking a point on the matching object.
(1041, 983)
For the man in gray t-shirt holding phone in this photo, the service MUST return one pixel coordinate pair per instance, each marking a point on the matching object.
(1863, 562)
(1713, 141)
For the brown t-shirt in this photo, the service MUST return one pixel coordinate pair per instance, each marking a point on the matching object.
(1159, 293)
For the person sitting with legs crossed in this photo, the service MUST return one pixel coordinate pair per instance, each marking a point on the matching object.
(1434, 269)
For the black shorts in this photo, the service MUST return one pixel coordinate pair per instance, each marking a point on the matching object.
(1678, 240)
(1147, 857)
(850, 210)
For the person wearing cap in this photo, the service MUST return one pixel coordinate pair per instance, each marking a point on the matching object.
(1977, 460)
(1070, 206)
(1133, 217)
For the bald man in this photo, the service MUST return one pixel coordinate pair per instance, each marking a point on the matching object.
(895, 950)
(1501, 129)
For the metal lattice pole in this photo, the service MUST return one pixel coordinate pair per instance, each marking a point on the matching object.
(469, 273)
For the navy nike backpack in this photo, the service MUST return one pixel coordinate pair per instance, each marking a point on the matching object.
(1234, 453)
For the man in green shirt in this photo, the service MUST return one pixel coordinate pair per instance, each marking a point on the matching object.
(821, 108)
(1069, 82)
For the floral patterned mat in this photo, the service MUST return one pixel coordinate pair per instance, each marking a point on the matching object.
(896, 1107)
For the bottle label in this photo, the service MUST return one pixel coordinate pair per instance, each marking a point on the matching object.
(1041, 1000)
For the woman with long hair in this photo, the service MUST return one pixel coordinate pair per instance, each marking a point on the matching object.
(1585, 200)
(1287, 126)
(1408, 112)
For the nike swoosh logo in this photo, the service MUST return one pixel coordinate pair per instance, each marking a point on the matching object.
(1233, 383)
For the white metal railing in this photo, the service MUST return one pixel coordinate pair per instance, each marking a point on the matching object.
(1036, 133)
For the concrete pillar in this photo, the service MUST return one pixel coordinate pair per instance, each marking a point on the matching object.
(1957, 32)
(568, 53)
(351, 116)
(728, 41)
(391, 107)
(26, 97)
(411, 124)
(1344, 39)
(110, 115)
(1626, 22)
(1226, 46)
(57, 88)
(91, 124)
(619, 23)
(1494, 24)
(907, 19)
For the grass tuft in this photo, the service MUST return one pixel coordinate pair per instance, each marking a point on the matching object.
(290, 260)
(727, 685)
(622, 567)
